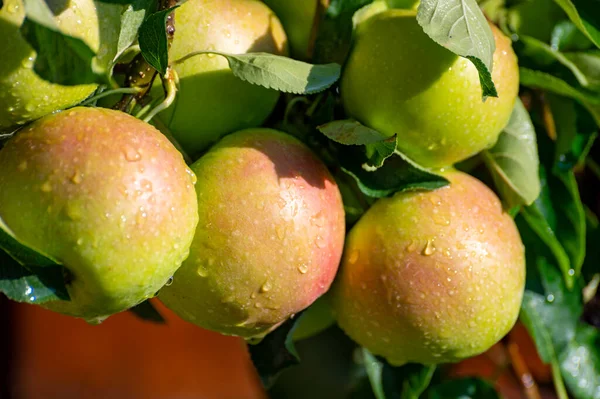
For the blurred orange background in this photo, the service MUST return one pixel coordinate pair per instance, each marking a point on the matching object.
(44, 355)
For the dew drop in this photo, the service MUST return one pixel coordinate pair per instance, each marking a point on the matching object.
(28, 290)
(550, 298)
(76, 178)
(320, 242)
(169, 281)
(132, 155)
(266, 287)
(354, 255)
(303, 268)
(435, 199)
(429, 248)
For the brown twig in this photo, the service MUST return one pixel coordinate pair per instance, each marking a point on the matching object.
(522, 371)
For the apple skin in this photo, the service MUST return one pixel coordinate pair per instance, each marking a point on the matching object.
(24, 96)
(105, 194)
(211, 101)
(399, 81)
(431, 277)
(297, 17)
(269, 239)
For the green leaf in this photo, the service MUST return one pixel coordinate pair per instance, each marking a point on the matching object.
(334, 36)
(588, 63)
(584, 14)
(567, 37)
(60, 58)
(153, 40)
(552, 317)
(543, 55)
(32, 284)
(374, 369)
(350, 132)
(147, 312)
(575, 130)
(461, 27)
(131, 20)
(558, 218)
(275, 353)
(282, 73)
(465, 388)
(397, 174)
(21, 253)
(545, 81)
(415, 379)
(513, 161)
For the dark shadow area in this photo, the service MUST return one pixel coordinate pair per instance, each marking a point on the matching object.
(58, 6)
(326, 370)
(7, 344)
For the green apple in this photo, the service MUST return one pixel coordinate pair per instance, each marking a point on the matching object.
(269, 239)
(297, 17)
(105, 194)
(211, 101)
(25, 96)
(431, 276)
(399, 81)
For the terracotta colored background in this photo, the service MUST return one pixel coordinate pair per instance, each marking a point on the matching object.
(49, 356)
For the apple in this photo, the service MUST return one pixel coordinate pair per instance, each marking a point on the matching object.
(297, 17)
(399, 81)
(24, 96)
(269, 239)
(211, 101)
(431, 276)
(105, 194)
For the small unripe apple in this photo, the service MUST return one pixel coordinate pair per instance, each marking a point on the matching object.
(105, 194)
(25, 96)
(269, 239)
(431, 276)
(399, 81)
(211, 101)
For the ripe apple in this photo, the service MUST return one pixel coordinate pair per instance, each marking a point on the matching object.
(211, 101)
(431, 276)
(399, 81)
(269, 239)
(25, 96)
(105, 194)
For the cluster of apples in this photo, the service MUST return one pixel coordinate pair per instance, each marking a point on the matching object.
(253, 231)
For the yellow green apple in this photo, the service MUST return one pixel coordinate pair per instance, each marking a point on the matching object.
(105, 194)
(269, 239)
(24, 96)
(399, 81)
(211, 101)
(431, 276)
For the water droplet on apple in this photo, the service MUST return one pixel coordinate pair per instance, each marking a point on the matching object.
(429, 248)
(132, 155)
(303, 268)
(266, 287)
(169, 281)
